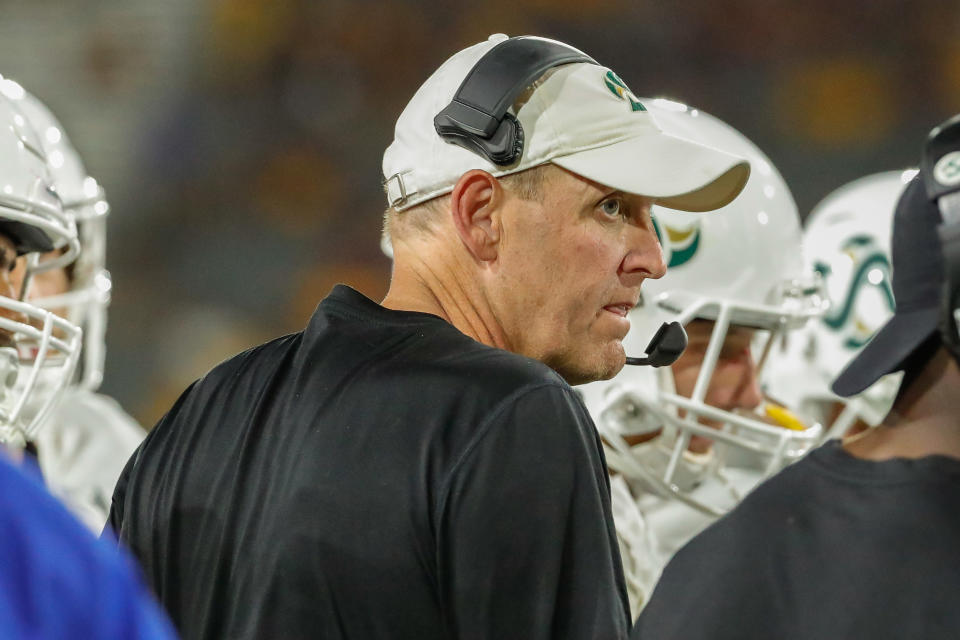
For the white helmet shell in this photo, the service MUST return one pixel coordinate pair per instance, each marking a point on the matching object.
(846, 241)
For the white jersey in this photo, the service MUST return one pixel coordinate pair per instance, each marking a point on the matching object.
(650, 529)
(82, 448)
(638, 549)
(672, 523)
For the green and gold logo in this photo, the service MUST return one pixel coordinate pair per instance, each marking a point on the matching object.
(679, 245)
(871, 269)
(620, 89)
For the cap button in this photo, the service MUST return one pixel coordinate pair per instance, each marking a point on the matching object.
(498, 37)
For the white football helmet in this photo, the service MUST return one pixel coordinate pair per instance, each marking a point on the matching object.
(846, 241)
(83, 198)
(738, 265)
(35, 344)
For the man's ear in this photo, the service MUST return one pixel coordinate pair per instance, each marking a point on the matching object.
(474, 206)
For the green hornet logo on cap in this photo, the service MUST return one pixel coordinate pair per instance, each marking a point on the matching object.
(681, 245)
(871, 268)
(620, 89)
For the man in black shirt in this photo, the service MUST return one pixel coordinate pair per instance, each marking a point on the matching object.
(421, 468)
(860, 538)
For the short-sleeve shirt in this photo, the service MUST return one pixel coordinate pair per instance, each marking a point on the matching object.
(832, 547)
(57, 580)
(377, 475)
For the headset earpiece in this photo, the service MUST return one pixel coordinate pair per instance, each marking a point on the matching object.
(477, 118)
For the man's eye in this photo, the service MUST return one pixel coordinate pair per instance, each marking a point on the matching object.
(612, 207)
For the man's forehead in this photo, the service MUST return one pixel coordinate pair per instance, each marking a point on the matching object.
(582, 185)
(588, 189)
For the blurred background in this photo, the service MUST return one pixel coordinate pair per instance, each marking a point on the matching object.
(240, 141)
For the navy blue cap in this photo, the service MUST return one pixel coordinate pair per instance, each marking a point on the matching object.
(918, 275)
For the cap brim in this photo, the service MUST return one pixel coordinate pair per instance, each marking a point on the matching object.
(679, 173)
(887, 351)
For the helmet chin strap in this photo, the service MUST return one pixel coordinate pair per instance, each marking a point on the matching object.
(665, 347)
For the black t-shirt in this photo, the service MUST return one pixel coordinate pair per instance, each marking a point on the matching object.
(832, 547)
(378, 475)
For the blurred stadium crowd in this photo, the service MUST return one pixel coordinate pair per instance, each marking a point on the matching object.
(239, 140)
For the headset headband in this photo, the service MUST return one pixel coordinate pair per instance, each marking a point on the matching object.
(477, 118)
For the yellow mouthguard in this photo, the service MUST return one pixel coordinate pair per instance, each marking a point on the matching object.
(783, 417)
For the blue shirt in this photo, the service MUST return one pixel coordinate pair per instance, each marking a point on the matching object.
(57, 580)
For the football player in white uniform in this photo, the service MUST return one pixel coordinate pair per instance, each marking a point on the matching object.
(39, 350)
(846, 240)
(686, 442)
(87, 438)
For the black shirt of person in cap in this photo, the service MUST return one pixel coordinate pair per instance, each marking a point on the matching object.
(860, 539)
(379, 475)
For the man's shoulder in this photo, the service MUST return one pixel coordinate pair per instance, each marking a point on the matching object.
(253, 362)
(415, 342)
(482, 385)
(236, 382)
(500, 371)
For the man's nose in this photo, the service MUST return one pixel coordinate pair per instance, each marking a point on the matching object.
(644, 254)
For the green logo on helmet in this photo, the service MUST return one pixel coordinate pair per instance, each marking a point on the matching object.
(681, 244)
(871, 268)
(620, 89)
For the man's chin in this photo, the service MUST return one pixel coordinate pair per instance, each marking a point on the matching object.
(604, 367)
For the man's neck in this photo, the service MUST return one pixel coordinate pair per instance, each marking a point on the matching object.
(924, 421)
(437, 286)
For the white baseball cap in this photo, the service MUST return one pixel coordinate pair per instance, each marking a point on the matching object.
(581, 117)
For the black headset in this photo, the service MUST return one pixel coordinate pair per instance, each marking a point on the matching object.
(940, 171)
(478, 120)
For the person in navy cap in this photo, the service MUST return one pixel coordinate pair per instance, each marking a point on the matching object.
(860, 538)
